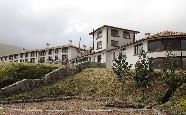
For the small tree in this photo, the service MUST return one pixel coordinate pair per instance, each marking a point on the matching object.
(143, 71)
(122, 69)
(172, 78)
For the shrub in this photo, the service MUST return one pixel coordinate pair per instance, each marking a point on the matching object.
(13, 72)
(143, 71)
(122, 69)
(172, 78)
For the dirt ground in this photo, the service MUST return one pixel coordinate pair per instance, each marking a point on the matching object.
(69, 107)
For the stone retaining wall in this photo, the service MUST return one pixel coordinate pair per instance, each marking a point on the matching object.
(58, 74)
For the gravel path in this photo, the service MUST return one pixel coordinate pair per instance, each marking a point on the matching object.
(70, 107)
(83, 112)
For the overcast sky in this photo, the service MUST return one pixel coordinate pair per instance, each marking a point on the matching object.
(33, 23)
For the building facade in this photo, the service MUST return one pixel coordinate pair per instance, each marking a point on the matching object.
(157, 46)
(108, 43)
(59, 54)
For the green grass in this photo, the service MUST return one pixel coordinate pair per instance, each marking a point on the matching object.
(13, 72)
(177, 104)
(102, 82)
(98, 82)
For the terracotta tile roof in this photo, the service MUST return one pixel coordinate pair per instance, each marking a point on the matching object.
(167, 34)
(161, 35)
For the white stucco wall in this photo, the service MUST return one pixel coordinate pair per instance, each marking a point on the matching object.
(72, 53)
(122, 41)
(94, 57)
(103, 39)
(131, 57)
(110, 56)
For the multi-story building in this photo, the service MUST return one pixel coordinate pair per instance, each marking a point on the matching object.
(57, 54)
(157, 46)
(107, 41)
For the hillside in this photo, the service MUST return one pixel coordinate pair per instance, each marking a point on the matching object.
(9, 49)
(98, 82)
(101, 83)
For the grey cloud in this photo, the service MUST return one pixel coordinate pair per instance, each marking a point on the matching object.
(33, 23)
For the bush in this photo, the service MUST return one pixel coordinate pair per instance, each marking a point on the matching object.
(143, 71)
(172, 78)
(13, 72)
(122, 69)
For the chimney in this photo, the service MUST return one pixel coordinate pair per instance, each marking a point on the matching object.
(147, 34)
(84, 46)
(47, 45)
(70, 42)
(23, 49)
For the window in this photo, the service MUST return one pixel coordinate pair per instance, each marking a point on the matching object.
(171, 45)
(42, 53)
(11, 57)
(114, 33)
(99, 45)
(154, 46)
(50, 51)
(32, 54)
(26, 55)
(7, 57)
(56, 51)
(42, 60)
(26, 60)
(56, 58)
(114, 43)
(99, 34)
(183, 45)
(21, 56)
(16, 56)
(64, 58)
(50, 58)
(126, 35)
(138, 48)
(65, 50)
(32, 60)
(99, 58)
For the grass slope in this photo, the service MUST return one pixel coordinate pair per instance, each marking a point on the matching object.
(13, 72)
(101, 82)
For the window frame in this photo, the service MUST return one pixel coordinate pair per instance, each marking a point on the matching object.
(97, 45)
(165, 42)
(151, 41)
(125, 32)
(114, 43)
(136, 48)
(99, 34)
(113, 33)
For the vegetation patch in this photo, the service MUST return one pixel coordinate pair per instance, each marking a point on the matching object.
(97, 82)
(13, 72)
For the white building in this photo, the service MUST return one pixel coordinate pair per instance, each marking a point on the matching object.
(156, 46)
(107, 41)
(57, 54)
(106, 46)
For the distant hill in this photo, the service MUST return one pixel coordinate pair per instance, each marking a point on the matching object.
(9, 49)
